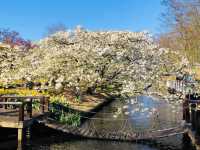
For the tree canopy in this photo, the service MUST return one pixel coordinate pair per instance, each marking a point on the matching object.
(125, 62)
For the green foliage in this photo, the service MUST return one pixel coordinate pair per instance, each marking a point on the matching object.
(72, 119)
(78, 98)
(60, 110)
(36, 105)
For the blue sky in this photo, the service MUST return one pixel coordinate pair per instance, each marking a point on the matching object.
(32, 17)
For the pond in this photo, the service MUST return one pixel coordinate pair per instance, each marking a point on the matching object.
(136, 114)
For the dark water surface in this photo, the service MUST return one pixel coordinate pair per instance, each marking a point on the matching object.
(146, 114)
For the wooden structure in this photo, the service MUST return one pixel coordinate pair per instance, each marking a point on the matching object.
(17, 112)
(191, 111)
(191, 107)
(91, 132)
(191, 114)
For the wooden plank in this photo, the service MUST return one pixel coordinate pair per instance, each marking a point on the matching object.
(29, 108)
(10, 103)
(86, 133)
(46, 103)
(5, 106)
(6, 124)
(21, 112)
(42, 103)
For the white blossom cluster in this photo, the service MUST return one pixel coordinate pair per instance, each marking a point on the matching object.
(81, 59)
(10, 60)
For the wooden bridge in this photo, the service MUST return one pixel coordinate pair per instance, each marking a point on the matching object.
(90, 131)
(17, 112)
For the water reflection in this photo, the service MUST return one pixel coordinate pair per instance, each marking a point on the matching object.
(145, 114)
(100, 145)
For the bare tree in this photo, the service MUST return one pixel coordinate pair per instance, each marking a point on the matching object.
(55, 28)
(182, 19)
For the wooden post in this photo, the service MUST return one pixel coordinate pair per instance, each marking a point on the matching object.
(193, 116)
(1, 100)
(178, 87)
(5, 106)
(198, 122)
(28, 134)
(42, 100)
(20, 139)
(182, 91)
(186, 139)
(175, 85)
(21, 112)
(47, 102)
(186, 111)
(181, 84)
(29, 108)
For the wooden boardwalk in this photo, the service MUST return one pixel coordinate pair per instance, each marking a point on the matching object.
(91, 132)
(10, 118)
(17, 112)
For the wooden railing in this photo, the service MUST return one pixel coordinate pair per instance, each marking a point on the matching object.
(21, 101)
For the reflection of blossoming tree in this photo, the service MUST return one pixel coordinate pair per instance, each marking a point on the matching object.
(125, 62)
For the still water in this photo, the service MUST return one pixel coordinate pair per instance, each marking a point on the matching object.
(141, 114)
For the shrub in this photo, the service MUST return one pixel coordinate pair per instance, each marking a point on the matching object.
(72, 119)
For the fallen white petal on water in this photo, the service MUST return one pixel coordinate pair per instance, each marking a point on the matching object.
(137, 109)
(146, 109)
(126, 113)
(173, 111)
(125, 106)
(115, 116)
